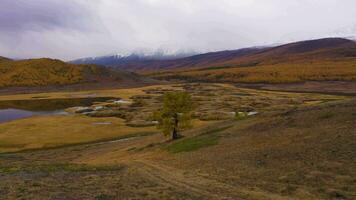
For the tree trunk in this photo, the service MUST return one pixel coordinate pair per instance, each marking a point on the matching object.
(175, 129)
(175, 134)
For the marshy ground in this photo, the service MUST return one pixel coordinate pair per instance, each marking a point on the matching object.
(245, 144)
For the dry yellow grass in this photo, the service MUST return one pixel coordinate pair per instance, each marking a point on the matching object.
(121, 93)
(305, 150)
(55, 131)
(344, 70)
(52, 131)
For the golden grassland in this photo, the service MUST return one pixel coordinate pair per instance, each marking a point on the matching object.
(306, 153)
(304, 150)
(343, 70)
(42, 72)
(125, 93)
(54, 131)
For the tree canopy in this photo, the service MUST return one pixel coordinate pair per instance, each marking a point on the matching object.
(175, 114)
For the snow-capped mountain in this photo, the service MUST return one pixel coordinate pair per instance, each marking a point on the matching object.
(120, 59)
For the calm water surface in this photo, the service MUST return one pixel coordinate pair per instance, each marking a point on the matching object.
(19, 109)
(13, 114)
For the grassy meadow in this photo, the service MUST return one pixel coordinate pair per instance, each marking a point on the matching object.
(247, 143)
(215, 102)
(322, 70)
(54, 131)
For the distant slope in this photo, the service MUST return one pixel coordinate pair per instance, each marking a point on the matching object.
(330, 59)
(299, 51)
(197, 61)
(120, 61)
(2, 59)
(48, 72)
(327, 59)
(304, 51)
(136, 62)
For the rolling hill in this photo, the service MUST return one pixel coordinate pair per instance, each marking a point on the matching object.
(50, 72)
(154, 63)
(330, 49)
(2, 59)
(330, 59)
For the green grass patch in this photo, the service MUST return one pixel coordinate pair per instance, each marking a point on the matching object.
(192, 144)
(206, 139)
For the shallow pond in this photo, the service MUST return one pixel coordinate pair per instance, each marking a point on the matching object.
(12, 114)
(18, 109)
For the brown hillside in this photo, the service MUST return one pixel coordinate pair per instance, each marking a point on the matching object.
(46, 72)
(208, 59)
(2, 59)
(328, 48)
(272, 73)
(330, 59)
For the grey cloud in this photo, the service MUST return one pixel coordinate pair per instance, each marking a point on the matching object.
(69, 29)
(24, 15)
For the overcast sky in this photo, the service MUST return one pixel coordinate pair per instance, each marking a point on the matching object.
(68, 29)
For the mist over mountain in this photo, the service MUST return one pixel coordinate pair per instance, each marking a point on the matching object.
(119, 59)
(319, 49)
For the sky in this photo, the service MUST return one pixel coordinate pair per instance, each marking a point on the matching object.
(70, 29)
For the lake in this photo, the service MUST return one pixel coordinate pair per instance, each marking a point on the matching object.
(19, 109)
(13, 114)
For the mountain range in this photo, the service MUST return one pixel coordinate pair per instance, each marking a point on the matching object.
(327, 59)
(124, 60)
(326, 48)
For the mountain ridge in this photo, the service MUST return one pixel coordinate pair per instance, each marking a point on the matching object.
(2, 59)
(321, 48)
(330, 59)
(112, 60)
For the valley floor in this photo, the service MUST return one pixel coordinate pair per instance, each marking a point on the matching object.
(298, 146)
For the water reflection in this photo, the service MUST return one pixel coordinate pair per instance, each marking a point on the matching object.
(12, 114)
(18, 109)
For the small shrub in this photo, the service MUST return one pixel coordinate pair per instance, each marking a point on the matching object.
(215, 116)
(138, 103)
(240, 115)
(108, 113)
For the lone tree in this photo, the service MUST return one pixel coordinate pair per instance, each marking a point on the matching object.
(175, 114)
